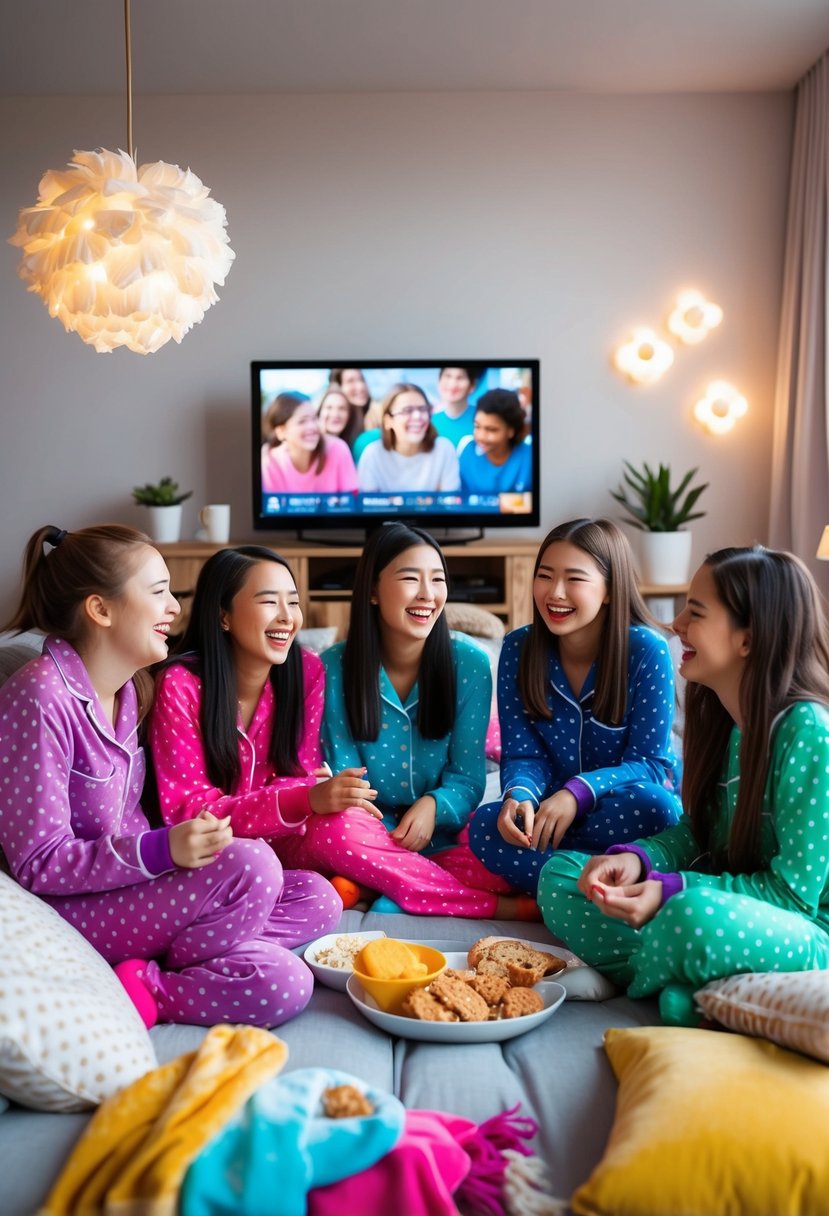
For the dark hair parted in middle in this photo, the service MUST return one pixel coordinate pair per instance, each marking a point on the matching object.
(608, 546)
(205, 647)
(362, 657)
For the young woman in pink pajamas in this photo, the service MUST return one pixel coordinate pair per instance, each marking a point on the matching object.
(199, 925)
(236, 727)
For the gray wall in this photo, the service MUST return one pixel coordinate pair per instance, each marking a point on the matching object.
(415, 225)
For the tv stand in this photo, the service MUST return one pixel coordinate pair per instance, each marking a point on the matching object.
(444, 536)
(497, 574)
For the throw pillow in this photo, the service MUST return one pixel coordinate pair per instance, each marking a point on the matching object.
(790, 1008)
(69, 1034)
(319, 639)
(710, 1122)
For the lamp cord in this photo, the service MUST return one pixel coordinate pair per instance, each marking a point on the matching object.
(128, 42)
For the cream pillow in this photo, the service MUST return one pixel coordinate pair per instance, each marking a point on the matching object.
(69, 1034)
(789, 1007)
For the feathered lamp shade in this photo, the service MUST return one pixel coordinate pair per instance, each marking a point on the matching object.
(124, 255)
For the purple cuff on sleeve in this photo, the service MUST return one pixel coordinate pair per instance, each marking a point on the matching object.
(154, 848)
(671, 883)
(640, 853)
(581, 791)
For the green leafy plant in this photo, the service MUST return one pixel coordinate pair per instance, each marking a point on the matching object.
(652, 504)
(163, 494)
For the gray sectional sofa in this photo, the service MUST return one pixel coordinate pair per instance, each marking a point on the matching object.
(557, 1072)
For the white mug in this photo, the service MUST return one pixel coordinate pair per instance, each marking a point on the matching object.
(215, 519)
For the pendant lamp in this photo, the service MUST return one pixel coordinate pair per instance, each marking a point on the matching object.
(122, 254)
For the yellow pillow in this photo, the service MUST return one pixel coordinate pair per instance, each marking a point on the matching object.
(710, 1123)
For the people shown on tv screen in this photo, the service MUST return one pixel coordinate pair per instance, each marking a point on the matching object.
(454, 416)
(496, 459)
(297, 458)
(409, 455)
(338, 416)
(353, 383)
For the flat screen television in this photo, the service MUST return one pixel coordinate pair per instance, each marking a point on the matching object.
(445, 444)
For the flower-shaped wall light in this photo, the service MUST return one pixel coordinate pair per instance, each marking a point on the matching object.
(644, 357)
(720, 408)
(694, 317)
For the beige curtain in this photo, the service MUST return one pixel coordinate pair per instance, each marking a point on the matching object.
(800, 455)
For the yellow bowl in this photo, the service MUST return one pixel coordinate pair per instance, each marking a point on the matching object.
(390, 994)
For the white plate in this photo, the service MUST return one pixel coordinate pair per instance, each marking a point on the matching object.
(334, 977)
(550, 992)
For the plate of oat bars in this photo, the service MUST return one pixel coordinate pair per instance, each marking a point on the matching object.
(470, 1004)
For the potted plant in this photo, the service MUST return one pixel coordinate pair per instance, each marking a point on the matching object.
(660, 512)
(164, 500)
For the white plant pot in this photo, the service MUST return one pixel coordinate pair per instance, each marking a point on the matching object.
(165, 524)
(665, 558)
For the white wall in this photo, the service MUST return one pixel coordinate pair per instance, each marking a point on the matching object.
(414, 225)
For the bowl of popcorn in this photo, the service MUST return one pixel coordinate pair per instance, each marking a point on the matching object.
(331, 958)
(388, 970)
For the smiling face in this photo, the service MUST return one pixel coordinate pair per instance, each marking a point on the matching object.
(142, 614)
(353, 384)
(410, 595)
(408, 419)
(454, 386)
(714, 649)
(301, 432)
(264, 616)
(493, 436)
(570, 593)
(334, 413)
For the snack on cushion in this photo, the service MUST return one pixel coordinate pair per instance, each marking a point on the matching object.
(505, 952)
(422, 1005)
(460, 999)
(789, 1007)
(518, 1002)
(69, 1034)
(711, 1123)
(388, 959)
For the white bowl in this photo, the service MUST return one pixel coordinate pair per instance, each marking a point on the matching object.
(335, 977)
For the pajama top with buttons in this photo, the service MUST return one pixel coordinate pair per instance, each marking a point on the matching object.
(264, 803)
(402, 765)
(794, 842)
(540, 755)
(70, 781)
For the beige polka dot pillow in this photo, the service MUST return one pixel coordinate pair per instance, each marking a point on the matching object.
(790, 1008)
(69, 1034)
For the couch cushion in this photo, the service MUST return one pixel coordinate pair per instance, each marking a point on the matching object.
(709, 1122)
(69, 1035)
(790, 1008)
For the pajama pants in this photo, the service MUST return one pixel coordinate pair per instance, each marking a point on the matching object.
(630, 812)
(219, 937)
(358, 846)
(700, 934)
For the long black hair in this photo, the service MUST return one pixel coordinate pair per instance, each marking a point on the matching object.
(772, 595)
(361, 655)
(205, 647)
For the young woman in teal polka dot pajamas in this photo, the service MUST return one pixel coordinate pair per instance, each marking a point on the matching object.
(586, 704)
(742, 882)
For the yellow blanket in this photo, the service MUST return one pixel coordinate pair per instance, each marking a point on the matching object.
(133, 1156)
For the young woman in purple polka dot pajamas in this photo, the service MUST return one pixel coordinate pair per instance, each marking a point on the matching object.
(742, 882)
(199, 925)
(585, 703)
(236, 727)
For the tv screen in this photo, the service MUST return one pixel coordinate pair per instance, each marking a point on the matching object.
(350, 447)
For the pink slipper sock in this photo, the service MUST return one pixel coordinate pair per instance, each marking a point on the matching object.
(132, 974)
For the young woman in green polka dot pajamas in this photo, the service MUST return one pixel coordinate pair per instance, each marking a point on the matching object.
(741, 883)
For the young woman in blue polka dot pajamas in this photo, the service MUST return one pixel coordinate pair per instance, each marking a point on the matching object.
(409, 702)
(200, 926)
(586, 703)
(742, 882)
